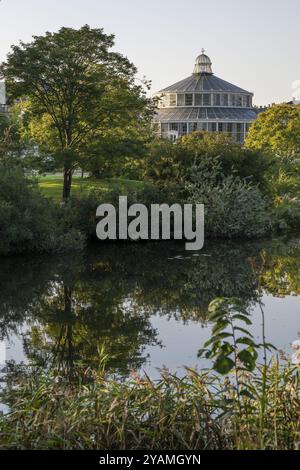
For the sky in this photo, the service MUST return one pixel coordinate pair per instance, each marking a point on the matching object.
(253, 44)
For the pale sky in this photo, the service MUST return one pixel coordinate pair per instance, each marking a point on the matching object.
(254, 44)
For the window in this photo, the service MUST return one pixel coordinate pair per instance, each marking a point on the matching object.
(180, 100)
(193, 126)
(172, 99)
(229, 127)
(225, 100)
(173, 126)
(248, 101)
(198, 100)
(206, 99)
(239, 100)
(202, 126)
(221, 127)
(189, 100)
(232, 100)
(184, 127)
(217, 100)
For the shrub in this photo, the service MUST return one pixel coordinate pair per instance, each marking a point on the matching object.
(80, 213)
(233, 207)
(286, 213)
(29, 221)
(171, 162)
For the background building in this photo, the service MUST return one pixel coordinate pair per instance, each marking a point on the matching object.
(3, 106)
(204, 102)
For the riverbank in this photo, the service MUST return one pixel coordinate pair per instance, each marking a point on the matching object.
(199, 411)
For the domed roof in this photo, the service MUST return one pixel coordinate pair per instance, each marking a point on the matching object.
(203, 82)
(203, 79)
(203, 64)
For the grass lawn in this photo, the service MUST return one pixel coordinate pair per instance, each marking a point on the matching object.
(51, 185)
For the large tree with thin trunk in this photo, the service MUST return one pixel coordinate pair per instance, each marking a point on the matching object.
(74, 88)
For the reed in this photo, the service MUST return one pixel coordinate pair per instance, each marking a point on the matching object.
(198, 411)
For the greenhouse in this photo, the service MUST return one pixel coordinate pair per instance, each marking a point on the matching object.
(204, 102)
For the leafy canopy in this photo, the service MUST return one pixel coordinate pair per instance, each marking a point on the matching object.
(75, 90)
(277, 131)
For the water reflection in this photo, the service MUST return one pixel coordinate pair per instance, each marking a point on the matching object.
(117, 296)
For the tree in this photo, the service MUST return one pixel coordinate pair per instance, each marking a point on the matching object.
(76, 88)
(277, 131)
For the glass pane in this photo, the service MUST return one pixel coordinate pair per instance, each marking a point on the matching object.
(180, 100)
(217, 100)
(198, 100)
(225, 100)
(172, 99)
(189, 100)
(206, 99)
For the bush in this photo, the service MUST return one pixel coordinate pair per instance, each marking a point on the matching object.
(80, 213)
(171, 162)
(29, 221)
(286, 214)
(233, 207)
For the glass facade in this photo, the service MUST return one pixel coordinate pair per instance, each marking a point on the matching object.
(204, 102)
(236, 130)
(205, 99)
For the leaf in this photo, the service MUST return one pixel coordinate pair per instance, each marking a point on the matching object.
(242, 318)
(220, 326)
(246, 340)
(201, 352)
(246, 393)
(223, 365)
(247, 359)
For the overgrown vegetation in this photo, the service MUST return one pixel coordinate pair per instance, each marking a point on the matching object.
(198, 411)
(29, 221)
(234, 207)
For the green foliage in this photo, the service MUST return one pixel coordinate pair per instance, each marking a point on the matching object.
(195, 412)
(233, 207)
(74, 92)
(172, 162)
(286, 214)
(80, 212)
(30, 222)
(277, 131)
(11, 146)
(231, 345)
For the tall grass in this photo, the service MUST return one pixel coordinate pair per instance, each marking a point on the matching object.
(197, 411)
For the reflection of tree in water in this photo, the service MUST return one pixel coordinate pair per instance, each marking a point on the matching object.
(74, 305)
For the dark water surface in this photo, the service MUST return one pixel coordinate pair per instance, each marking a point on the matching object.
(145, 303)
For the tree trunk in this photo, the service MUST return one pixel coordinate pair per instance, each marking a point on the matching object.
(67, 183)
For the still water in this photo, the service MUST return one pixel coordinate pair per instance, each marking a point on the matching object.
(146, 304)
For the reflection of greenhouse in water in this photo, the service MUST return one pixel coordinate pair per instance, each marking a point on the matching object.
(204, 102)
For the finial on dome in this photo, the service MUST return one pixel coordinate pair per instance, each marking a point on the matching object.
(203, 64)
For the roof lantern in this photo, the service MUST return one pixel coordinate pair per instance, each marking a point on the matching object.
(203, 64)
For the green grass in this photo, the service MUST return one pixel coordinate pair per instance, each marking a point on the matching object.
(51, 185)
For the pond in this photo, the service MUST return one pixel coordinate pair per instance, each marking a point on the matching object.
(145, 304)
